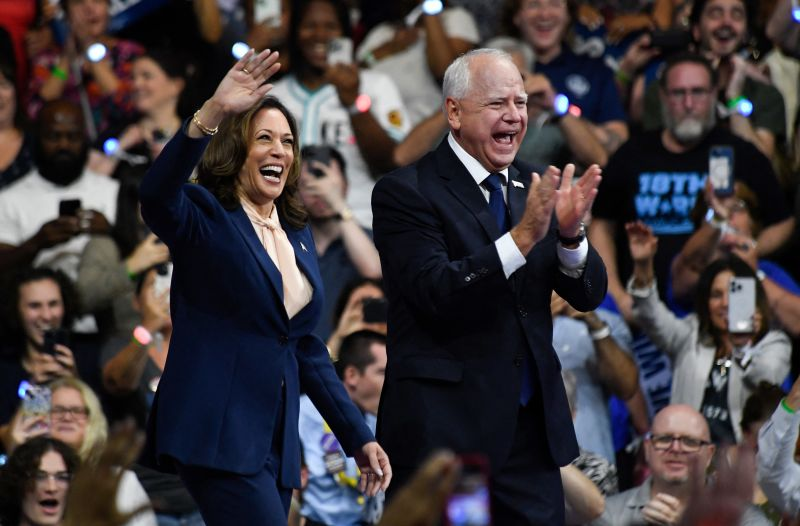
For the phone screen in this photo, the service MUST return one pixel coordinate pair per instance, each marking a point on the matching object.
(321, 154)
(469, 504)
(52, 337)
(69, 207)
(340, 51)
(741, 305)
(720, 169)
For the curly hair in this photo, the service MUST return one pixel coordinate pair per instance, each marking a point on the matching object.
(10, 305)
(17, 476)
(223, 160)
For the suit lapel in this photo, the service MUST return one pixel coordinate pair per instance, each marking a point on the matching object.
(245, 228)
(461, 184)
(517, 195)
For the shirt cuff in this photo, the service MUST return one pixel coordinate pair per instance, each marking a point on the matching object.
(573, 260)
(640, 292)
(510, 256)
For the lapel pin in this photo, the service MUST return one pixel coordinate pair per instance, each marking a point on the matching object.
(517, 184)
(303, 247)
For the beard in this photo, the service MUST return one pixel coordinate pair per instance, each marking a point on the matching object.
(689, 130)
(63, 166)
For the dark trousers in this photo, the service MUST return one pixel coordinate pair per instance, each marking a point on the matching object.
(527, 490)
(226, 498)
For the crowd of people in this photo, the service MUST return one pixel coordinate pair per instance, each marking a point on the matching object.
(196, 314)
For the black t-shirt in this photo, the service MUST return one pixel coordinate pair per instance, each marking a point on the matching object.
(715, 404)
(644, 181)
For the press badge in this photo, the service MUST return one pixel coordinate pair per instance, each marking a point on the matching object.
(334, 462)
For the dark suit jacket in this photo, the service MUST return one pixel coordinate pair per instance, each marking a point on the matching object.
(458, 329)
(233, 345)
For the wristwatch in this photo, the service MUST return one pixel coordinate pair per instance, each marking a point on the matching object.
(573, 240)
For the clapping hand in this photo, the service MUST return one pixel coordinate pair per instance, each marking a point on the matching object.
(573, 201)
(641, 241)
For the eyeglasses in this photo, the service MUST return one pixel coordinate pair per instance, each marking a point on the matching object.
(61, 478)
(688, 444)
(60, 412)
(679, 94)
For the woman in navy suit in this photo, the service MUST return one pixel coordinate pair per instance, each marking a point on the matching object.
(245, 296)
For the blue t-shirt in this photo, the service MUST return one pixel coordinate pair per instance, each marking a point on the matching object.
(587, 82)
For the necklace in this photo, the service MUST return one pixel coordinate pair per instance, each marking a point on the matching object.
(724, 364)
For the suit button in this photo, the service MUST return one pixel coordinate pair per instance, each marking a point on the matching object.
(283, 339)
(522, 311)
(483, 271)
(518, 361)
(468, 279)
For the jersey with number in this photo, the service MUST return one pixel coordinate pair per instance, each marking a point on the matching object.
(322, 119)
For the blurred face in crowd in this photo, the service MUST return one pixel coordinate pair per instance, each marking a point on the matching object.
(46, 497)
(316, 205)
(688, 102)
(8, 102)
(678, 436)
(542, 24)
(68, 416)
(365, 386)
(490, 121)
(88, 19)
(269, 159)
(718, 300)
(41, 307)
(153, 89)
(722, 27)
(317, 27)
(63, 146)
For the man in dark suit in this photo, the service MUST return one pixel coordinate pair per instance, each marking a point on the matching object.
(470, 360)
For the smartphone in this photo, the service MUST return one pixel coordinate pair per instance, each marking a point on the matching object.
(469, 504)
(267, 12)
(376, 310)
(36, 400)
(741, 305)
(669, 40)
(52, 337)
(720, 170)
(340, 51)
(319, 153)
(69, 207)
(163, 279)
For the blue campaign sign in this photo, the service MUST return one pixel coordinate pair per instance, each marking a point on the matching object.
(125, 12)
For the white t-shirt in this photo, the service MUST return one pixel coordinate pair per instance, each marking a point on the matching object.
(421, 92)
(322, 119)
(32, 201)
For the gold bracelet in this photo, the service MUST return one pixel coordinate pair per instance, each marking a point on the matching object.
(203, 128)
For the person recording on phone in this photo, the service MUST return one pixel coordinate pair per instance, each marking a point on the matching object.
(721, 351)
(657, 175)
(730, 224)
(46, 217)
(246, 295)
(344, 248)
(332, 496)
(361, 306)
(357, 111)
(37, 306)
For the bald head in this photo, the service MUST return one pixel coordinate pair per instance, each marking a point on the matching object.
(680, 419)
(679, 441)
(62, 146)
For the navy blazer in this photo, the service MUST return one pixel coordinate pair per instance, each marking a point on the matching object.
(233, 345)
(458, 329)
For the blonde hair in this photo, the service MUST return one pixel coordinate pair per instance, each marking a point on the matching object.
(96, 434)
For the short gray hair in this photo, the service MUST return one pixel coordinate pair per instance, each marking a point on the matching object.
(457, 77)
